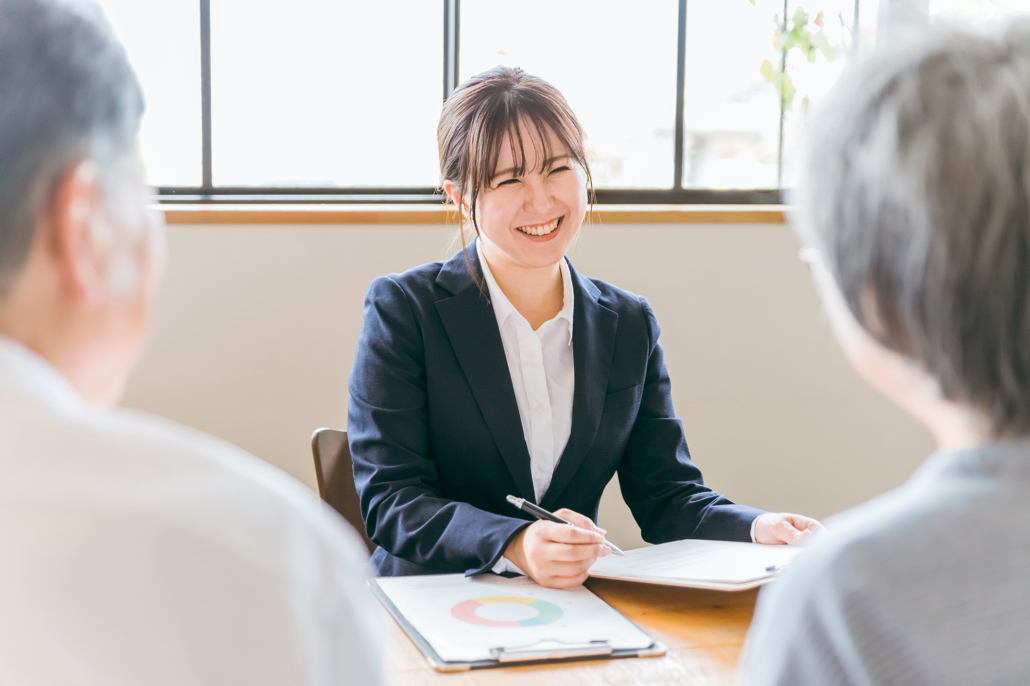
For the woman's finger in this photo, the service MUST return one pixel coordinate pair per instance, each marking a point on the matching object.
(574, 553)
(785, 531)
(563, 581)
(566, 568)
(558, 568)
(572, 535)
(802, 523)
(576, 519)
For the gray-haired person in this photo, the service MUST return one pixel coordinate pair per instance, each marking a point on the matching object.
(132, 551)
(915, 205)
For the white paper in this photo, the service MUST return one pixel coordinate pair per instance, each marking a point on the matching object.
(464, 617)
(693, 561)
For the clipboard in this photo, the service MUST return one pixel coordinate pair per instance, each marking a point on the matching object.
(550, 651)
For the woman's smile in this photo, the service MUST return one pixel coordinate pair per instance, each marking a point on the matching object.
(541, 232)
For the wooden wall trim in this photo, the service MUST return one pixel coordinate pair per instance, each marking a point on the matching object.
(443, 214)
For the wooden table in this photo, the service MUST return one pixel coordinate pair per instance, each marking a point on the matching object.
(704, 631)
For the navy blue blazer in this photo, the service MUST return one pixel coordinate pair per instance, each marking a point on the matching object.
(436, 437)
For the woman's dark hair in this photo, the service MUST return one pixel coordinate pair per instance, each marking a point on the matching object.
(486, 107)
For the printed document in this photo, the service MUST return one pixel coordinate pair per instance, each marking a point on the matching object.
(720, 565)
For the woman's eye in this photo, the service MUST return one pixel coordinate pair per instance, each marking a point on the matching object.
(559, 169)
(507, 183)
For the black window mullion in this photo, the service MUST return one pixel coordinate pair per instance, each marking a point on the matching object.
(681, 78)
(783, 103)
(451, 25)
(205, 93)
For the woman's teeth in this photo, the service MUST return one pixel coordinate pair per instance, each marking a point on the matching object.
(542, 229)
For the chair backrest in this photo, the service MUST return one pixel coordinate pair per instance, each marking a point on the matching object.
(336, 478)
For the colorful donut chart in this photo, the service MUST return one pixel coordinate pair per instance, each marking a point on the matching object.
(546, 612)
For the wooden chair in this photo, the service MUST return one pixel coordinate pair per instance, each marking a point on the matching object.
(336, 478)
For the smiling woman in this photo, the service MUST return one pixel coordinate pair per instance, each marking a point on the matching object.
(509, 144)
(505, 372)
(511, 154)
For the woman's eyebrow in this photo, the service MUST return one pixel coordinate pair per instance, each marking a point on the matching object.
(549, 162)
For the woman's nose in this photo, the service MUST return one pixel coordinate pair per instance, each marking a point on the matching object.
(538, 199)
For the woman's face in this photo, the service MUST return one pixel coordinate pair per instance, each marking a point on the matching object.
(529, 221)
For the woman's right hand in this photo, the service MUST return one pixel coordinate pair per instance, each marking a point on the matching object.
(557, 555)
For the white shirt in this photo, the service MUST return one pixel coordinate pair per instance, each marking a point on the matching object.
(136, 551)
(543, 375)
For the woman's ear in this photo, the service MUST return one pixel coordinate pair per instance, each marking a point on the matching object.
(456, 197)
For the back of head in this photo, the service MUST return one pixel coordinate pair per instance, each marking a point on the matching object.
(916, 191)
(67, 92)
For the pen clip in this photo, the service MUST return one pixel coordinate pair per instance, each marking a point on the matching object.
(551, 649)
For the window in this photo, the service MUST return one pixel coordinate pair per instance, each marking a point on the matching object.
(681, 100)
(615, 62)
(163, 42)
(325, 94)
(977, 11)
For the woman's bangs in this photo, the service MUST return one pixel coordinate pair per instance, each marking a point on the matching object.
(522, 127)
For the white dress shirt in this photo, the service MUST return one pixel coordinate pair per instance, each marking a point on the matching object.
(136, 551)
(542, 372)
(544, 378)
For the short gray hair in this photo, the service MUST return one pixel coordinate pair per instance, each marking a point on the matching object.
(916, 190)
(67, 92)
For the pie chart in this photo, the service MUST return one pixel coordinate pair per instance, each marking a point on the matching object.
(506, 612)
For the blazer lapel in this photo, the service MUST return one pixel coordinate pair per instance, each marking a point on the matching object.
(471, 326)
(593, 341)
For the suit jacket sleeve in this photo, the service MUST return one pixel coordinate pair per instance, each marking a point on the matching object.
(388, 432)
(660, 483)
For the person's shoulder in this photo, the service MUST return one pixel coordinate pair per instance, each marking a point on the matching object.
(811, 623)
(894, 585)
(414, 281)
(414, 290)
(619, 300)
(860, 544)
(231, 493)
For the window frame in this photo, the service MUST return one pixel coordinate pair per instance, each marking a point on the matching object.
(208, 193)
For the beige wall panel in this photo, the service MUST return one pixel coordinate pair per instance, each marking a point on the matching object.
(255, 328)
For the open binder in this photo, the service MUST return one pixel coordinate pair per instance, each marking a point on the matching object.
(425, 608)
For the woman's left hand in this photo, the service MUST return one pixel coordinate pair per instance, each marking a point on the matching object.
(783, 528)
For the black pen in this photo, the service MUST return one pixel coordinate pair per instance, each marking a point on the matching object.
(541, 513)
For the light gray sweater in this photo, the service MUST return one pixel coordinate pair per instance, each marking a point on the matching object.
(928, 584)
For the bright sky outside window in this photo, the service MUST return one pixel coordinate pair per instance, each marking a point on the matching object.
(614, 61)
(163, 42)
(977, 11)
(730, 110)
(317, 93)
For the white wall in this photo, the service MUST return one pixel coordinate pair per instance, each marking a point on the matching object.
(255, 330)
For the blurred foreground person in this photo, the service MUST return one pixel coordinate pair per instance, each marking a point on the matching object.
(915, 205)
(132, 551)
